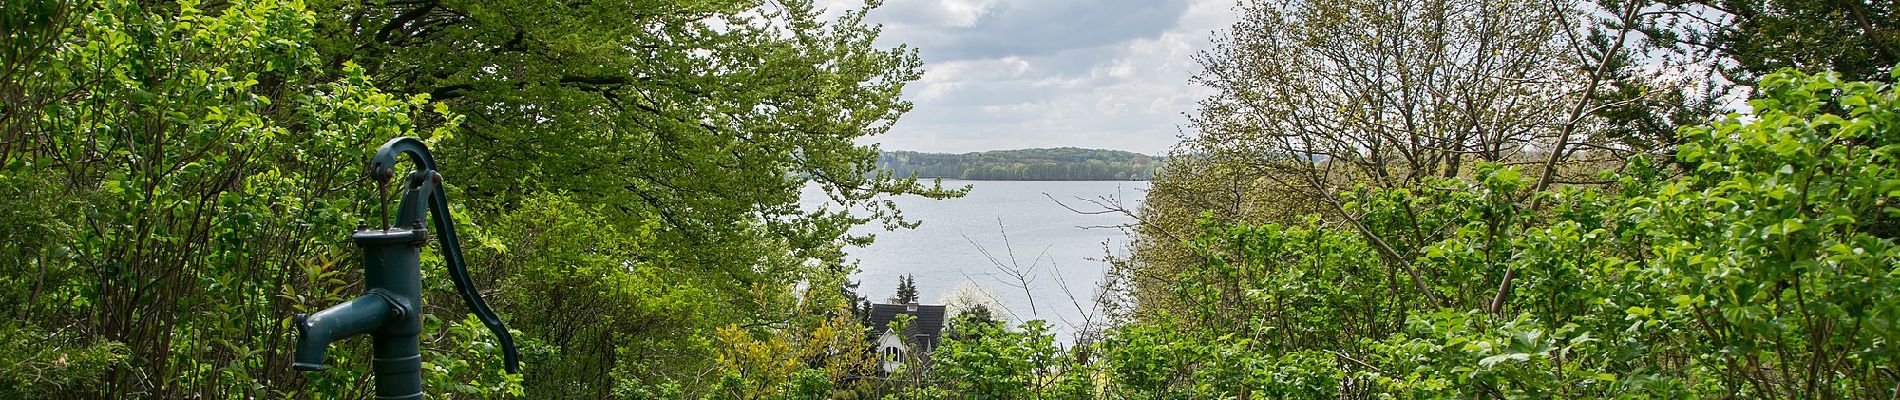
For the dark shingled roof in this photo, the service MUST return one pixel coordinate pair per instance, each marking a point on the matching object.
(929, 321)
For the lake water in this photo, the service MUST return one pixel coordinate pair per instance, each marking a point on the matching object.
(1053, 247)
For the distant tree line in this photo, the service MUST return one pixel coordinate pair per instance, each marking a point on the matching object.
(1057, 164)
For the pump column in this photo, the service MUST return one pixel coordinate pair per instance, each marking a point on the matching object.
(392, 267)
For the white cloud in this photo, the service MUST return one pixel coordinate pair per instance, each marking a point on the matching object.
(964, 13)
(1050, 73)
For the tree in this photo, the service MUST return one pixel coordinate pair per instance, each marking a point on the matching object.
(966, 298)
(860, 306)
(1734, 280)
(1616, 79)
(978, 314)
(177, 175)
(1323, 95)
(1025, 164)
(1694, 60)
(906, 290)
(697, 121)
(176, 179)
(990, 361)
(1314, 99)
(1744, 40)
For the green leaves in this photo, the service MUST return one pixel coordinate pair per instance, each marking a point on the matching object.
(1491, 361)
(988, 360)
(215, 164)
(184, 172)
(1736, 280)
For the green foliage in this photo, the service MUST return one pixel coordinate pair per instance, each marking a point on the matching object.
(995, 363)
(184, 193)
(988, 360)
(581, 292)
(1765, 271)
(677, 136)
(41, 365)
(175, 179)
(1859, 39)
(906, 290)
(977, 314)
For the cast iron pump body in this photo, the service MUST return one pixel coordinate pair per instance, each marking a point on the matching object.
(391, 310)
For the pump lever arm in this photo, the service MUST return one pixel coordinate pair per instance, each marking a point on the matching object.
(382, 168)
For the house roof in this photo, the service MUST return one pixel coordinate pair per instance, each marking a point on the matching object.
(929, 318)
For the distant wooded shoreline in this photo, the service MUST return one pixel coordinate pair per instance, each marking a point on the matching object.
(1054, 164)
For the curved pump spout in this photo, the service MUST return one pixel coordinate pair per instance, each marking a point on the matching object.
(358, 316)
(389, 313)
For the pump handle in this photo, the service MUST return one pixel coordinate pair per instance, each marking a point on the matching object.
(383, 167)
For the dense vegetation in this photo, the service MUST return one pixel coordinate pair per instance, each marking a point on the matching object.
(1488, 199)
(176, 180)
(1058, 164)
(1762, 271)
(1382, 199)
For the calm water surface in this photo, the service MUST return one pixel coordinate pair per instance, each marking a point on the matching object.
(947, 250)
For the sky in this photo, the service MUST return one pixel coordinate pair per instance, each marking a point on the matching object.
(1012, 74)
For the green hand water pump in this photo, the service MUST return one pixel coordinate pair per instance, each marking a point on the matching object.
(391, 310)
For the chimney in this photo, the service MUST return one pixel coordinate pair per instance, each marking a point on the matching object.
(911, 306)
